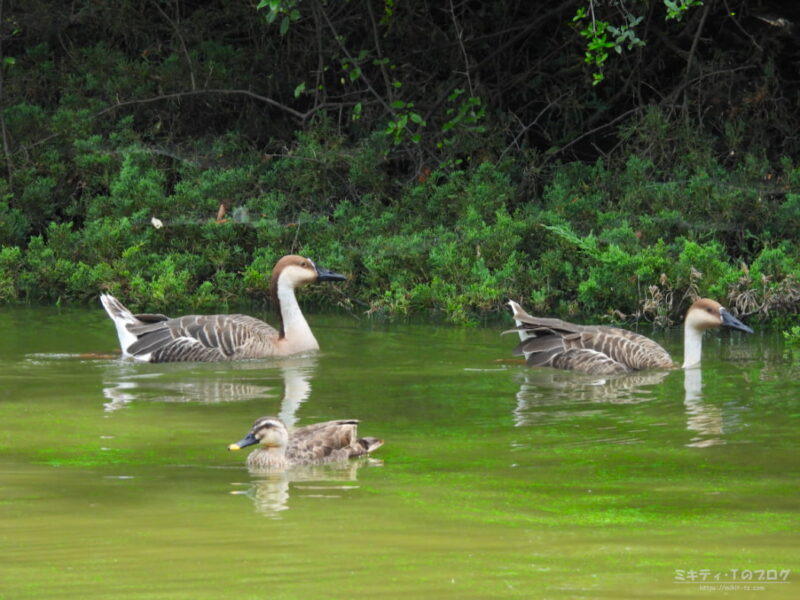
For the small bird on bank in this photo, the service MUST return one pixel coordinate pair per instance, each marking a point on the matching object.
(325, 442)
(602, 350)
(208, 338)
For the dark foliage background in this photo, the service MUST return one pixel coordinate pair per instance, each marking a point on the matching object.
(446, 155)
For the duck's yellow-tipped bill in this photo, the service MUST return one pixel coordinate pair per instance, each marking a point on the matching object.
(246, 441)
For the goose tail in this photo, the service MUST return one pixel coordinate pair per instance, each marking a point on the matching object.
(520, 318)
(518, 311)
(122, 318)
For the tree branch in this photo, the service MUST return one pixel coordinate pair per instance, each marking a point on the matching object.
(460, 38)
(364, 77)
(6, 149)
(386, 81)
(180, 38)
(691, 54)
(301, 116)
(528, 126)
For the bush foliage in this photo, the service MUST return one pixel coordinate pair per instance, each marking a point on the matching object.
(459, 243)
(433, 198)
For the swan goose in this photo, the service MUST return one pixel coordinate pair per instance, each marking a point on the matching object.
(319, 443)
(208, 338)
(602, 350)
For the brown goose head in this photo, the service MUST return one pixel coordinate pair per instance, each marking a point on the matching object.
(294, 271)
(709, 314)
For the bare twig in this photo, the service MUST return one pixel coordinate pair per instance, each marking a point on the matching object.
(673, 94)
(6, 150)
(528, 126)
(613, 121)
(349, 56)
(735, 20)
(301, 116)
(379, 52)
(180, 38)
(526, 30)
(295, 113)
(692, 50)
(318, 87)
(460, 36)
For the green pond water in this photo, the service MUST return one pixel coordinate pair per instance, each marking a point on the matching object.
(495, 481)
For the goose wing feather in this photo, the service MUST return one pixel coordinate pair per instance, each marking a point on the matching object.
(628, 348)
(536, 324)
(587, 361)
(200, 337)
(596, 350)
(151, 317)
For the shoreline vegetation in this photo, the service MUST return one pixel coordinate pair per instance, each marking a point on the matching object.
(170, 156)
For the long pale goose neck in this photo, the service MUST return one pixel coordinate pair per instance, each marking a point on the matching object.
(293, 325)
(692, 345)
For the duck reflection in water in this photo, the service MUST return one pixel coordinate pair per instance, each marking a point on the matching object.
(270, 490)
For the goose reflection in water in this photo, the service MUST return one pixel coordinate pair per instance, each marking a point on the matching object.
(270, 490)
(211, 384)
(707, 422)
(545, 387)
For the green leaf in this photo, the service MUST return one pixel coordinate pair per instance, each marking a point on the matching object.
(455, 94)
(284, 25)
(300, 89)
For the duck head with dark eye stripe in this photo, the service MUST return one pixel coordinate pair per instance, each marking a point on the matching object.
(268, 432)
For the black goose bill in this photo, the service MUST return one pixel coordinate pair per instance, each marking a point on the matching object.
(324, 274)
(728, 320)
